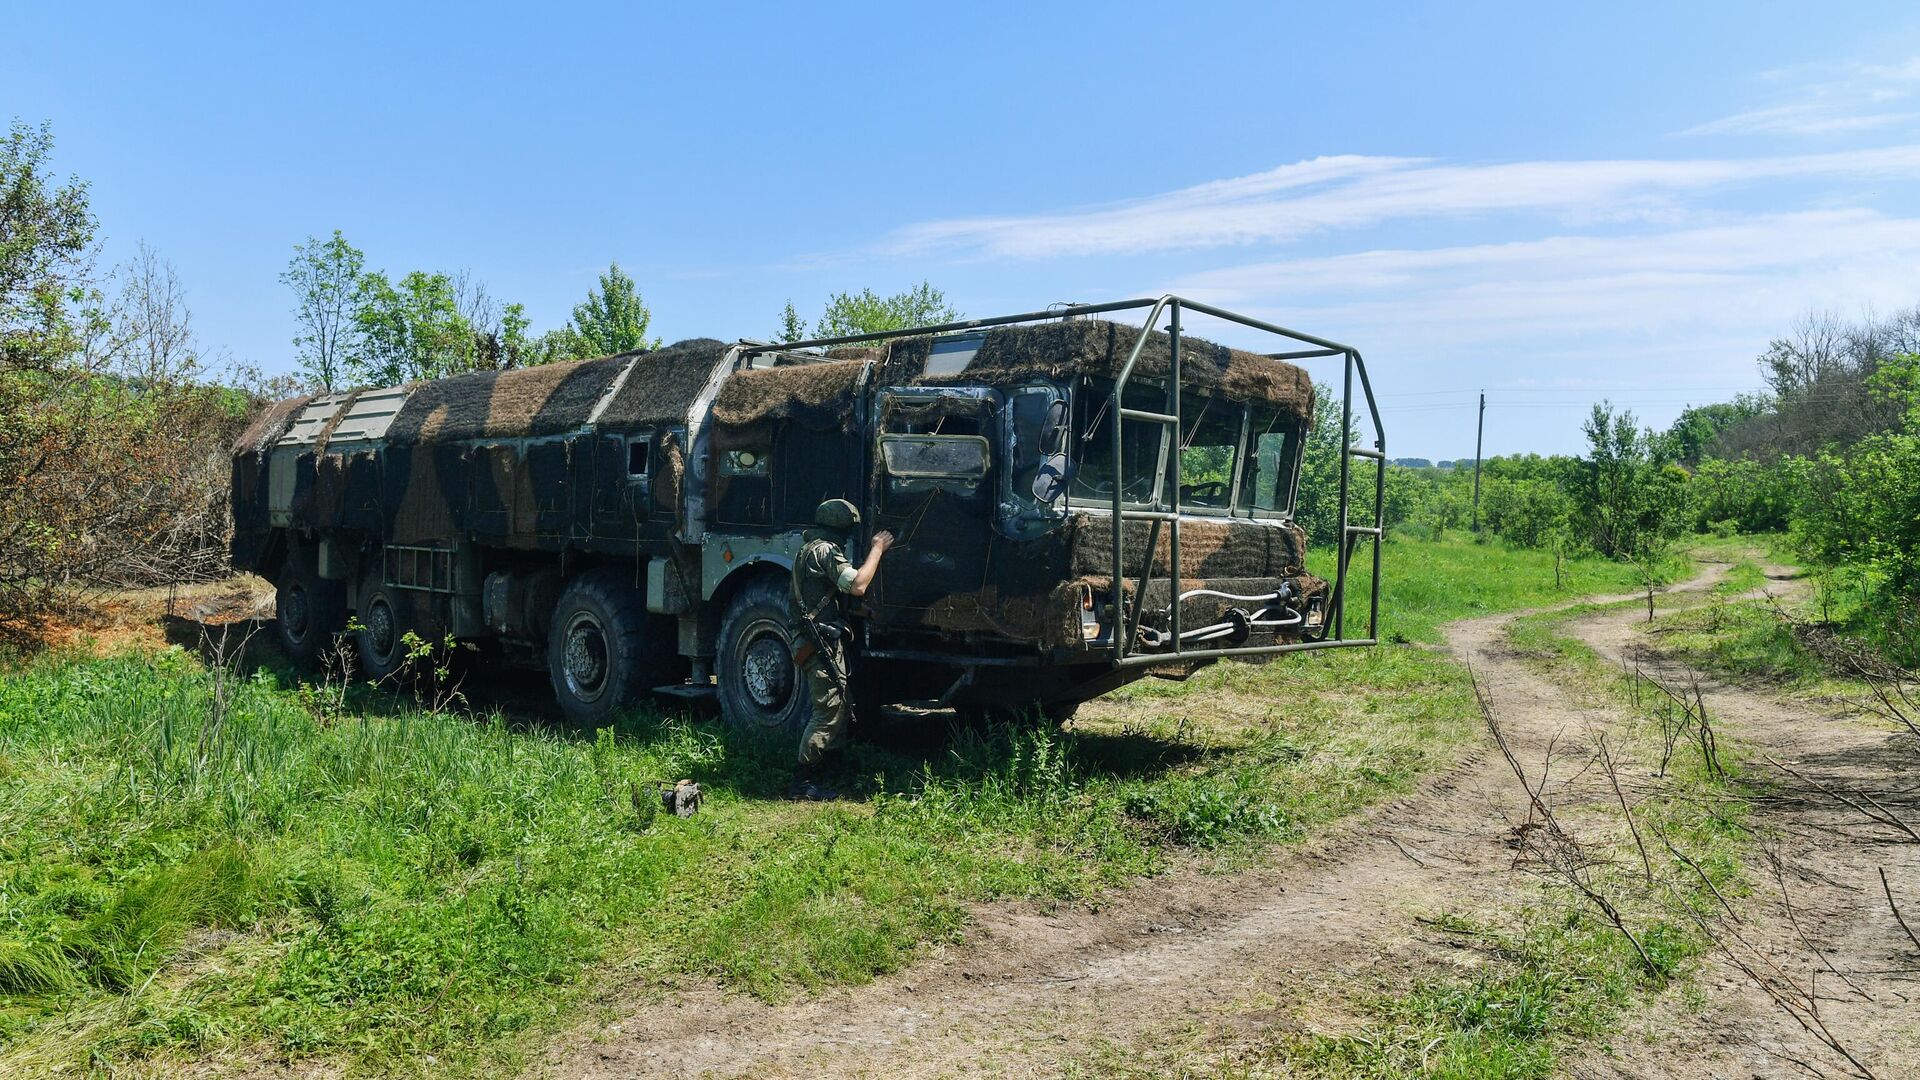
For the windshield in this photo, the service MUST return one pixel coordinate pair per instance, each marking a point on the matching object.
(1234, 458)
(1266, 478)
(1207, 447)
(1093, 421)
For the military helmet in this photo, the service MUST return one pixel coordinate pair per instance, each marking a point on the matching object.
(836, 514)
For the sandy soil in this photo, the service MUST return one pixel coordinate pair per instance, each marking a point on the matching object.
(1230, 956)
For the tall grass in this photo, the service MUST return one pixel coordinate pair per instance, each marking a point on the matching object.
(189, 864)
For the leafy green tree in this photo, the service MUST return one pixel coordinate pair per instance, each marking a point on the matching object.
(792, 326)
(1698, 427)
(112, 451)
(865, 312)
(516, 349)
(613, 319)
(1631, 496)
(46, 254)
(410, 330)
(560, 345)
(1535, 513)
(326, 277)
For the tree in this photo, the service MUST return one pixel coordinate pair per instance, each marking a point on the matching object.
(410, 330)
(326, 277)
(613, 319)
(46, 254)
(865, 312)
(1693, 435)
(1631, 495)
(792, 326)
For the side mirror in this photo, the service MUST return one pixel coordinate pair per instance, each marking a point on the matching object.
(1054, 441)
(1050, 480)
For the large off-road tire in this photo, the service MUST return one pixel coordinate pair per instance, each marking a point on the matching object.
(309, 613)
(604, 652)
(761, 689)
(379, 638)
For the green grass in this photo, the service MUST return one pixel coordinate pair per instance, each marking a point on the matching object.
(1431, 583)
(1555, 974)
(1560, 973)
(181, 878)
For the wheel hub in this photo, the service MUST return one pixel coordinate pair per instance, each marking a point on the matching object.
(767, 671)
(380, 628)
(294, 613)
(585, 658)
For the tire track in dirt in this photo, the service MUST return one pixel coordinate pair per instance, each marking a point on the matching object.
(1866, 972)
(1032, 991)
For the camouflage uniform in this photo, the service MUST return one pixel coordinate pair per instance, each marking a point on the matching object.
(821, 573)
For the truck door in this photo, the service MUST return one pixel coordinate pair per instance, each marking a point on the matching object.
(933, 487)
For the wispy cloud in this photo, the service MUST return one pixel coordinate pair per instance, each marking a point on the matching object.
(1332, 193)
(1833, 100)
(1717, 280)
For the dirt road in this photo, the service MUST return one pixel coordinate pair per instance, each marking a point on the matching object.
(1235, 955)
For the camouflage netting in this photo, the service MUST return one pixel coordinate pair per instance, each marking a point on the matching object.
(817, 395)
(1093, 347)
(545, 400)
(340, 411)
(270, 425)
(662, 385)
(1208, 549)
(1051, 617)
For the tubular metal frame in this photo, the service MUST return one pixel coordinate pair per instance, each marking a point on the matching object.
(1166, 507)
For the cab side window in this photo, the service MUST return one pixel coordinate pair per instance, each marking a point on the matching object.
(935, 441)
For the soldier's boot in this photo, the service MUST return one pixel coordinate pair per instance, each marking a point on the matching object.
(810, 785)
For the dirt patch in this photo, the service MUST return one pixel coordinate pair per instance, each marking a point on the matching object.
(143, 618)
(1821, 920)
(1240, 957)
(1031, 990)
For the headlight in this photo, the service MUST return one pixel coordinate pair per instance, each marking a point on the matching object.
(1089, 615)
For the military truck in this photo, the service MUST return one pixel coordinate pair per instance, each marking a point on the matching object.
(1078, 502)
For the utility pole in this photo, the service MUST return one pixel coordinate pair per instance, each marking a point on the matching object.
(1479, 440)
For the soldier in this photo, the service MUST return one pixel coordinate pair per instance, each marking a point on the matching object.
(820, 574)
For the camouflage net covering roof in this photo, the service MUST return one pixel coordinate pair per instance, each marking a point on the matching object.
(818, 395)
(662, 385)
(272, 423)
(1099, 348)
(545, 400)
(821, 393)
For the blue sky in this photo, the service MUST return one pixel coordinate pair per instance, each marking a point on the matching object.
(1553, 204)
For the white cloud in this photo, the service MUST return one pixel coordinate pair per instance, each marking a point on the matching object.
(1835, 100)
(1347, 192)
(1805, 118)
(1745, 277)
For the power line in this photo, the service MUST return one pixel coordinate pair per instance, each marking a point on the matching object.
(1581, 390)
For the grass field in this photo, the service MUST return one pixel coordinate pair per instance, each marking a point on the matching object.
(194, 865)
(1556, 973)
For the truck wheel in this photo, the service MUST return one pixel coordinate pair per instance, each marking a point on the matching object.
(378, 641)
(308, 613)
(761, 689)
(601, 647)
